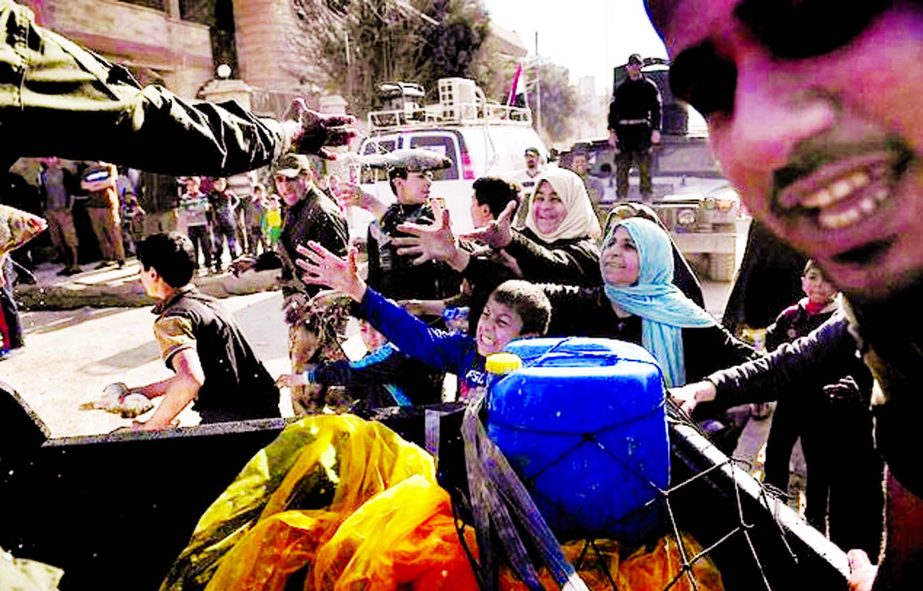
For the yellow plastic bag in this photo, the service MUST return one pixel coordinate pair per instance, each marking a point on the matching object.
(329, 463)
(403, 538)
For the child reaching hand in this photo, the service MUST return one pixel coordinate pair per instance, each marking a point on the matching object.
(515, 309)
(385, 376)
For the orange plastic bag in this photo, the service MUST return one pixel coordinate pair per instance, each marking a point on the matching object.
(656, 568)
(403, 538)
(275, 548)
(645, 570)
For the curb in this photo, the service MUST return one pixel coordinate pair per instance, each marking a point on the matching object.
(72, 295)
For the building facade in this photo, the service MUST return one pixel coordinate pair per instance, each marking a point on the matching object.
(181, 42)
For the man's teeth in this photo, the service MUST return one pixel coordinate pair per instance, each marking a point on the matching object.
(836, 191)
(840, 190)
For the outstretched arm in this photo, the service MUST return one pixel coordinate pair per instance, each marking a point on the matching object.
(109, 116)
(322, 267)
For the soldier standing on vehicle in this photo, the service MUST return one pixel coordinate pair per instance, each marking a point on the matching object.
(634, 127)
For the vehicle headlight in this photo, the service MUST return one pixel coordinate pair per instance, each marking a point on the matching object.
(726, 205)
(685, 217)
(709, 203)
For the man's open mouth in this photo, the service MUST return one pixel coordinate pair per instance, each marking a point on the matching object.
(839, 191)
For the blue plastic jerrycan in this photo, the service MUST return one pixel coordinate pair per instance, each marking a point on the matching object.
(583, 424)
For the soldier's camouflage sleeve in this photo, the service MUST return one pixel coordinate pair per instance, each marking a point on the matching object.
(57, 98)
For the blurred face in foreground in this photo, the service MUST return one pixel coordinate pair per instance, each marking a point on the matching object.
(818, 125)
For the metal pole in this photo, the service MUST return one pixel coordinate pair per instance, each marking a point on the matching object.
(538, 86)
(349, 69)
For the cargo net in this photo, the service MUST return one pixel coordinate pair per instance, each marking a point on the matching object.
(712, 527)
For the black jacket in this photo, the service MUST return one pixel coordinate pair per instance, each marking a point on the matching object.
(809, 363)
(394, 275)
(317, 218)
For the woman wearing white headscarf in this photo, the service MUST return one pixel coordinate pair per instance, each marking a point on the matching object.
(558, 244)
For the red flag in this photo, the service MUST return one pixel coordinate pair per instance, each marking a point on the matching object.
(514, 87)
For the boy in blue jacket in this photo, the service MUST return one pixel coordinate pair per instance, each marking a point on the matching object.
(514, 309)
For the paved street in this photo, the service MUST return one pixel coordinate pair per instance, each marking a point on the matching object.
(72, 355)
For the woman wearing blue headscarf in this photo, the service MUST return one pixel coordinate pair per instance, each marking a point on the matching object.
(639, 303)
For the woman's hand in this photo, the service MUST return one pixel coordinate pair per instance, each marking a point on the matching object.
(322, 267)
(499, 232)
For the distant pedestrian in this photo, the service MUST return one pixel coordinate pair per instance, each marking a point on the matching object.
(55, 185)
(242, 185)
(132, 223)
(525, 178)
(193, 207)
(252, 215)
(99, 180)
(271, 220)
(224, 204)
(579, 163)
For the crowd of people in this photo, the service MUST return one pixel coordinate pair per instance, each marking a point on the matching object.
(824, 164)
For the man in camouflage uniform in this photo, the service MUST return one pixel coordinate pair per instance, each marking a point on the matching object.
(314, 335)
(58, 99)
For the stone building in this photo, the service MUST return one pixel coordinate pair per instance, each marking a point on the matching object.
(182, 42)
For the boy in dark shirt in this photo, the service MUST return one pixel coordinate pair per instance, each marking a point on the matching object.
(213, 363)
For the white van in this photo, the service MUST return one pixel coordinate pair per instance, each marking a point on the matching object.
(480, 139)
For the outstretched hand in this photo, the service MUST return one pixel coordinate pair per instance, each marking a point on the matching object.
(690, 395)
(322, 267)
(318, 132)
(861, 571)
(499, 232)
(428, 241)
(349, 194)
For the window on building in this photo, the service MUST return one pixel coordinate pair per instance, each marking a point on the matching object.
(155, 4)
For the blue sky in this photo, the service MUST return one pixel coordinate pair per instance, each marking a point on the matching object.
(588, 37)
